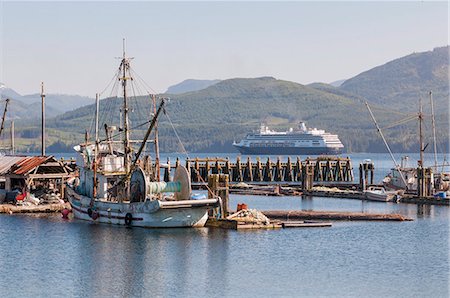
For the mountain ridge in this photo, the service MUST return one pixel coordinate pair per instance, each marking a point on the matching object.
(209, 119)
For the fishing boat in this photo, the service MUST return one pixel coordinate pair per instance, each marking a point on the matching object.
(403, 177)
(379, 194)
(418, 180)
(116, 186)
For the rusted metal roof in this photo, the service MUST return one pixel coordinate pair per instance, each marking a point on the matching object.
(6, 162)
(28, 164)
(24, 165)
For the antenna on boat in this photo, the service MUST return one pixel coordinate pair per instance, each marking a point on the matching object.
(387, 146)
(123, 46)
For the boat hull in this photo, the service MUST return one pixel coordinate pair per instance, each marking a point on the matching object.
(288, 150)
(149, 214)
(379, 196)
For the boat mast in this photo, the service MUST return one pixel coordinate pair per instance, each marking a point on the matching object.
(13, 149)
(387, 146)
(43, 119)
(433, 123)
(157, 166)
(94, 164)
(421, 133)
(125, 65)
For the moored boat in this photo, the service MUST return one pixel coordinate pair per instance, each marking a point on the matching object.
(380, 194)
(115, 186)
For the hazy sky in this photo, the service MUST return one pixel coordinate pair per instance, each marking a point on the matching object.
(72, 46)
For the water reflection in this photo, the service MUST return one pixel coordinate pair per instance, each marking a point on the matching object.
(76, 258)
(218, 261)
(117, 261)
(424, 211)
(307, 203)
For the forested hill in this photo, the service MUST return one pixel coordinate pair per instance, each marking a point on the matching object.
(212, 118)
(402, 82)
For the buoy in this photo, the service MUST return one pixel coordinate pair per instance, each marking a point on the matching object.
(241, 207)
(95, 215)
(65, 213)
(128, 219)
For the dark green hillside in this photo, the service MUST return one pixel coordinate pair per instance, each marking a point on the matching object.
(210, 119)
(401, 82)
(336, 91)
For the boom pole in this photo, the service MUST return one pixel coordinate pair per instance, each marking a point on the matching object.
(147, 134)
(397, 166)
(433, 123)
(157, 163)
(4, 116)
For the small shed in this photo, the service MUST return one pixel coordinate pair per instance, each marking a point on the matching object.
(33, 173)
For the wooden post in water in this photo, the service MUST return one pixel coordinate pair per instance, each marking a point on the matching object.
(224, 193)
(298, 169)
(288, 172)
(308, 177)
(188, 168)
(227, 169)
(248, 173)
(197, 170)
(268, 171)
(258, 172)
(167, 171)
(424, 182)
(362, 181)
(277, 174)
(372, 169)
(239, 174)
(219, 186)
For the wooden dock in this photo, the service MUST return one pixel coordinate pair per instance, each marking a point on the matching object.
(44, 208)
(287, 215)
(294, 171)
(276, 224)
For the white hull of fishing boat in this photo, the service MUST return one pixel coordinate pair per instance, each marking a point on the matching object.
(380, 195)
(149, 214)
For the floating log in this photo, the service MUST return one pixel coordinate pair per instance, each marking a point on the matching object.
(45, 208)
(331, 215)
(305, 224)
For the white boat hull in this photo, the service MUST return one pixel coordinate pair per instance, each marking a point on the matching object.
(379, 195)
(149, 214)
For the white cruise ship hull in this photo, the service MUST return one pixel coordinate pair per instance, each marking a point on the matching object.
(287, 150)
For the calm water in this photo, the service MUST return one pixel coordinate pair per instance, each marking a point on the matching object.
(50, 257)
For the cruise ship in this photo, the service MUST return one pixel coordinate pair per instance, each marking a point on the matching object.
(303, 141)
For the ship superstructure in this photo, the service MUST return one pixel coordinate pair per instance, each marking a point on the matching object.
(302, 141)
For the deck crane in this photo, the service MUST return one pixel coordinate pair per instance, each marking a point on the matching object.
(4, 116)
